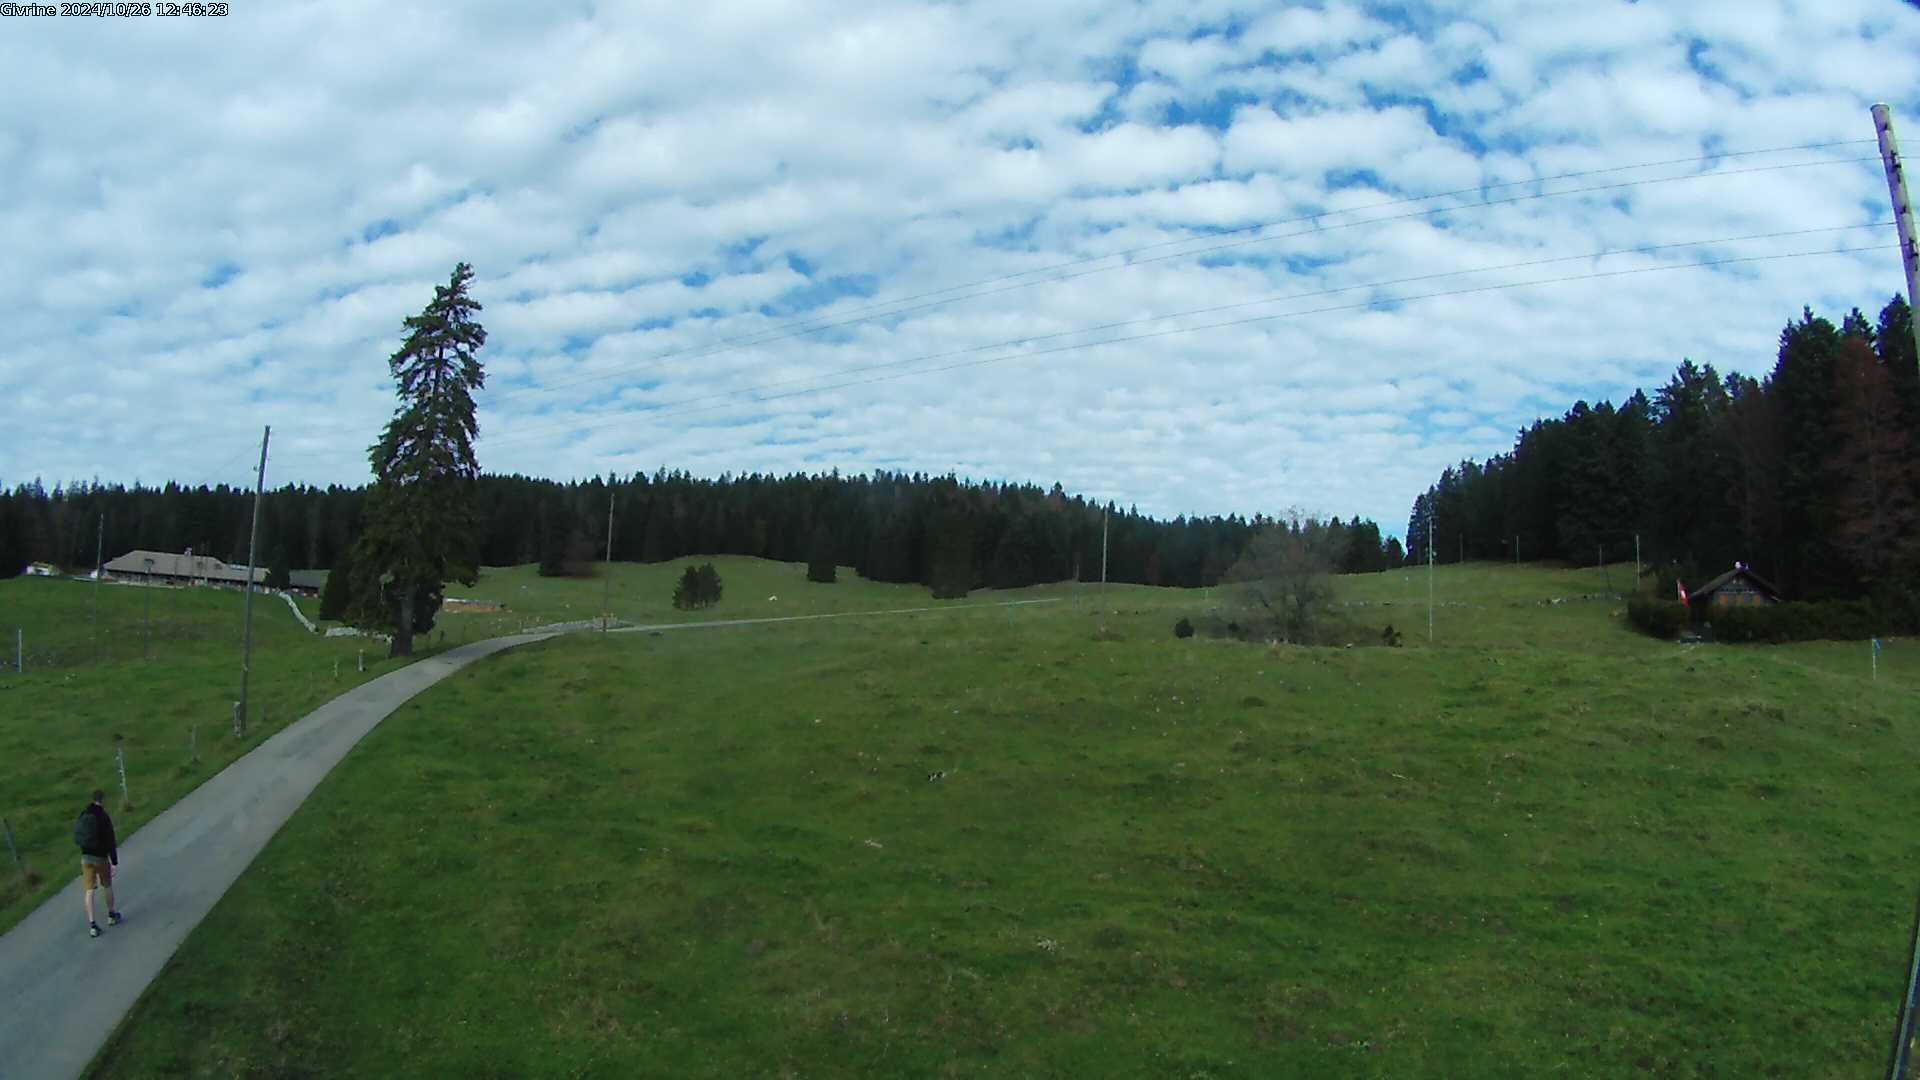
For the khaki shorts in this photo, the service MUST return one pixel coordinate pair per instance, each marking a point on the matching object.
(95, 873)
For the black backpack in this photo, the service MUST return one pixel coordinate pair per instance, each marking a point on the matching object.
(86, 831)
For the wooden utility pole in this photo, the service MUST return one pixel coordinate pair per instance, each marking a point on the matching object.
(99, 564)
(1103, 551)
(1897, 1065)
(1902, 211)
(606, 589)
(246, 635)
(1429, 575)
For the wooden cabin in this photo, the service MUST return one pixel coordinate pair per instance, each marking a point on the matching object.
(1738, 587)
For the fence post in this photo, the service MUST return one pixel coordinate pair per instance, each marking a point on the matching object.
(19, 650)
(120, 759)
(18, 863)
(193, 744)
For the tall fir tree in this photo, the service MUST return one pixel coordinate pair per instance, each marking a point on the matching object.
(820, 560)
(1871, 460)
(1802, 390)
(336, 596)
(421, 524)
(279, 568)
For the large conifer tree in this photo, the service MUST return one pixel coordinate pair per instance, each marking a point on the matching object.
(821, 565)
(421, 527)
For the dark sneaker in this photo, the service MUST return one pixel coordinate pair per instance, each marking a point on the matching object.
(93, 929)
(114, 919)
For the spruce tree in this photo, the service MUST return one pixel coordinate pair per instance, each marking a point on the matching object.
(421, 527)
(709, 585)
(820, 562)
(336, 597)
(686, 591)
(279, 569)
(698, 587)
(950, 561)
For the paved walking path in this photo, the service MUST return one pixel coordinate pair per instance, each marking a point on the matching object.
(62, 994)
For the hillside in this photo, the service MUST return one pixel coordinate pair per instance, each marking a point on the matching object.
(1057, 839)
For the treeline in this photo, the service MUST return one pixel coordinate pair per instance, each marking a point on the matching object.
(934, 530)
(1807, 475)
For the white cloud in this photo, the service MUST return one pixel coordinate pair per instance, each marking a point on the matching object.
(214, 227)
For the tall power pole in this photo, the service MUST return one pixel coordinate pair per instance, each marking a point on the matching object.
(253, 547)
(1902, 211)
(1429, 575)
(1897, 1067)
(606, 589)
(99, 562)
(1103, 551)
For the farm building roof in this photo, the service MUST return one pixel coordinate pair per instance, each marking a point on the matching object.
(168, 564)
(1740, 570)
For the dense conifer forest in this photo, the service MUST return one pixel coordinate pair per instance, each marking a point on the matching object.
(888, 526)
(1807, 475)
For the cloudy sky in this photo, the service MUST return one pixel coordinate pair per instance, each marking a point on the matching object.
(1176, 253)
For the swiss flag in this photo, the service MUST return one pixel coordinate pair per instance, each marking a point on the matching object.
(1682, 588)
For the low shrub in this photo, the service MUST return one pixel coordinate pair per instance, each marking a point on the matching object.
(1833, 620)
(1660, 618)
(1183, 628)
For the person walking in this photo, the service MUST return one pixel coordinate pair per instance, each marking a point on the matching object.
(98, 856)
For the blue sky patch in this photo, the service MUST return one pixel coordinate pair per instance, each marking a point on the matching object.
(1214, 112)
(376, 230)
(220, 275)
(820, 293)
(1124, 73)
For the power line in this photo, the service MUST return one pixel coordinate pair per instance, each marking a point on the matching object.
(1069, 264)
(1000, 286)
(677, 407)
(1337, 307)
(1006, 283)
(1362, 305)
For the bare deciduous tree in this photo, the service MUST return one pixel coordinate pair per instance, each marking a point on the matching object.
(1280, 584)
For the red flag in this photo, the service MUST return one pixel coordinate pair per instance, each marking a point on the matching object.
(1682, 588)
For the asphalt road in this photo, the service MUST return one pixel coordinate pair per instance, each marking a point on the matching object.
(62, 993)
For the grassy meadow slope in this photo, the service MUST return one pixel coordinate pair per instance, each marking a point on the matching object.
(89, 679)
(1055, 840)
(642, 593)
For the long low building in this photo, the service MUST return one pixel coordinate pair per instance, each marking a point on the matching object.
(172, 569)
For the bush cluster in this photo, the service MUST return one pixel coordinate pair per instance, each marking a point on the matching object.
(1833, 620)
(1836, 620)
(1660, 618)
(1333, 630)
(698, 587)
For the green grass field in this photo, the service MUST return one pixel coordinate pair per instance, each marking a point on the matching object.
(642, 594)
(89, 679)
(1055, 840)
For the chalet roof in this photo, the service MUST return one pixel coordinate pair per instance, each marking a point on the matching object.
(307, 579)
(168, 564)
(1739, 570)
